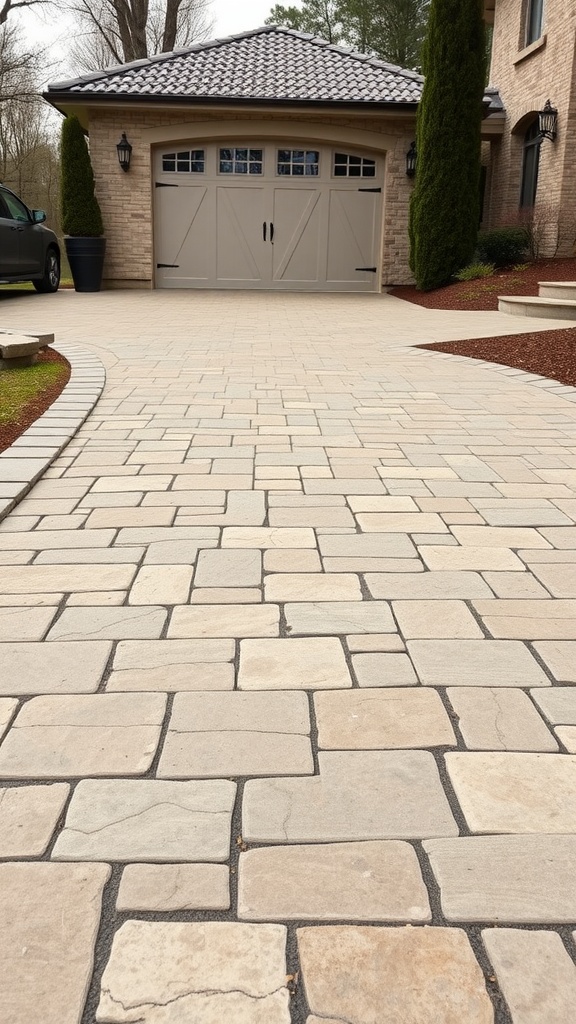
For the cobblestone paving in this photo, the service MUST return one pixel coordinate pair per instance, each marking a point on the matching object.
(288, 675)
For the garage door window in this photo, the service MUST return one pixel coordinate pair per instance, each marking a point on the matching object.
(346, 165)
(241, 161)
(189, 161)
(298, 162)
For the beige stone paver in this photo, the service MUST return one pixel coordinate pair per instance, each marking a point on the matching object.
(560, 658)
(28, 817)
(535, 973)
(288, 527)
(75, 735)
(526, 879)
(148, 819)
(294, 664)
(512, 792)
(339, 881)
(499, 719)
(475, 663)
(382, 719)
(358, 795)
(365, 974)
(224, 620)
(205, 972)
(237, 734)
(7, 709)
(167, 887)
(49, 918)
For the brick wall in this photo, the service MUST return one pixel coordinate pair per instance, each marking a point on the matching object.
(126, 199)
(526, 78)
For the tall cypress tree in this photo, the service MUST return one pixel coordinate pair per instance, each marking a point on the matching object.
(81, 214)
(445, 207)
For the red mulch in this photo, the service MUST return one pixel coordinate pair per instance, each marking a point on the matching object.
(549, 353)
(34, 409)
(483, 293)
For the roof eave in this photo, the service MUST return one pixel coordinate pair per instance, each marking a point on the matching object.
(65, 99)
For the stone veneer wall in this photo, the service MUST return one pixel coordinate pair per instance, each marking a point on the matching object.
(526, 78)
(126, 199)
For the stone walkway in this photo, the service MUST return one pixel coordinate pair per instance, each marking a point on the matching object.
(288, 675)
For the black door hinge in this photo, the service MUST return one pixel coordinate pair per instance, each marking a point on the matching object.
(165, 184)
(172, 266)
(372, 270)
(369, 189)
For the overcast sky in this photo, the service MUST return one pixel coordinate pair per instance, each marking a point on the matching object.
(40, 24)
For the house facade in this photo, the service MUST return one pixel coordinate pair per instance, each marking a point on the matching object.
(269, 160)
(533, 61)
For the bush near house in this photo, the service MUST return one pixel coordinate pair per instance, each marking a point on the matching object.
(475, 270)
(504, 247)
(445, 208)
(81, 216)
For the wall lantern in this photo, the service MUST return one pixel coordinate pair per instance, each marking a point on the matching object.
(547, 121)
(411, 157)
(124, 150)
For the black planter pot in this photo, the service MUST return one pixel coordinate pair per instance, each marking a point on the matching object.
(86, 258)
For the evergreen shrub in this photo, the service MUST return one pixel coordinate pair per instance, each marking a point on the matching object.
(505, 247)
(81, 216)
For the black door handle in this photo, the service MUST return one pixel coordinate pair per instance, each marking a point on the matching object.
(264, 231)
(272, 232)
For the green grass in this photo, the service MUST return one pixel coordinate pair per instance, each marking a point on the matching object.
(20, 387)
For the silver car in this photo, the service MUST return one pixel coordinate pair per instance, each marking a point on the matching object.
(28, 250)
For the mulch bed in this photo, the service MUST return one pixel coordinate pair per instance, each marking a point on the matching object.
(548, 353)
(483, 294)
(43, 400)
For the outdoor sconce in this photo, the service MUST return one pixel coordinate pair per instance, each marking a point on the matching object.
(124, 150)
(547, 122)
(411, 157)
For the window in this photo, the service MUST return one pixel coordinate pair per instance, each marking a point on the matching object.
(298, 163)
(348, 166)
(530, 164)
(534, 20)
(16, 209)
(234, 160)
(190, 161)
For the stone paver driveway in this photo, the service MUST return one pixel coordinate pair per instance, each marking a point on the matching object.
(288, 676)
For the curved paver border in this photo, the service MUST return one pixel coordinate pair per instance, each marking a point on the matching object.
(523, 376)
(25, 461)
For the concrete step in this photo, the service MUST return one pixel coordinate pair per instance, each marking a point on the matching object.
(532, 305)
(557, 289)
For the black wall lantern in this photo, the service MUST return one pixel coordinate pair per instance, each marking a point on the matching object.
(124, 150)
(547, 121)
(411, 157)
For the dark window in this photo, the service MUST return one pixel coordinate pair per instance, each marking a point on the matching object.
(16, 209)
(298, 163)
(530, 164)
(348, 166)
(535, 17)
(237, 160)
(190, 161)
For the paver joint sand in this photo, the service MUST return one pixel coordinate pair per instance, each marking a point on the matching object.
(287, 675)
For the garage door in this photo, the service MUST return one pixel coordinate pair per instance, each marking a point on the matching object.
(267, 216)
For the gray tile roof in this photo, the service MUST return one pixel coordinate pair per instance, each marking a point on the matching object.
(268, 64)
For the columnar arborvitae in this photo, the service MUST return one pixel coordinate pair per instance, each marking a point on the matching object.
(81, 214)
(445, 208)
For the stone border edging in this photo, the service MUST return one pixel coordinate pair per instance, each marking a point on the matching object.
(28, 458)
(555, 387)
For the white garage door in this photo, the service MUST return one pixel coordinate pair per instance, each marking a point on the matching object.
(268, 216)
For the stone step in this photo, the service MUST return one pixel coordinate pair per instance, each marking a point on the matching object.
(557, 289)
(17, 350)
(44, 338)
(536, 306)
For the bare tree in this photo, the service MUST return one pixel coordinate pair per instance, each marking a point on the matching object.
(28, 146)
(120, 31)
(13, 5)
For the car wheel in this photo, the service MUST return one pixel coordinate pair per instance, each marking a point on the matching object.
(51, 280)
